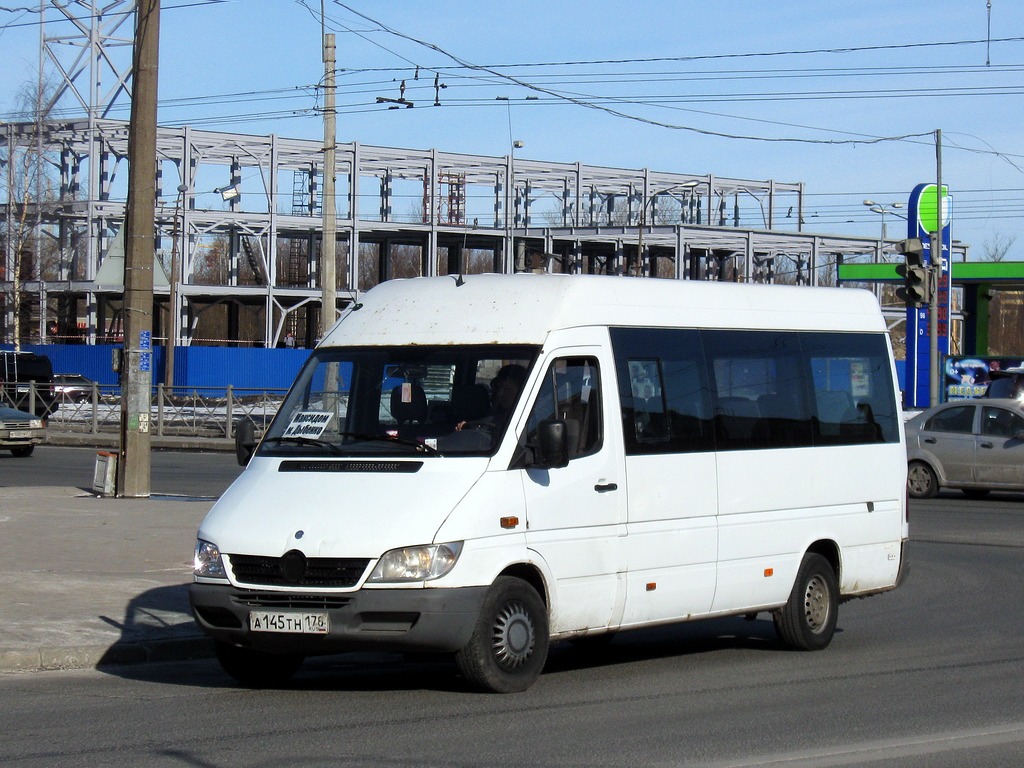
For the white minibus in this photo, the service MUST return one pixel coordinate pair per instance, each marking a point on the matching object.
(482, 466)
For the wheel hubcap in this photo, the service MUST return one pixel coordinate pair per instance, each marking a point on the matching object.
(918, 480)
(816, 604)
(513, 633)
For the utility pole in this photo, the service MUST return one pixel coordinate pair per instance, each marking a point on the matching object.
(328, 263)
(133, 468)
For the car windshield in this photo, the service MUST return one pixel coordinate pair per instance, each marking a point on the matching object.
(426, 400)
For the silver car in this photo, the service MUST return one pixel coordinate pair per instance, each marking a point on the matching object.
(976, 446)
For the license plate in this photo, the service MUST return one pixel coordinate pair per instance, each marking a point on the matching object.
(297, 623)
(20, 434)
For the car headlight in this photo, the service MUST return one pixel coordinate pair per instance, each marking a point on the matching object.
(430, 561)
(207, 562)
(35, 424)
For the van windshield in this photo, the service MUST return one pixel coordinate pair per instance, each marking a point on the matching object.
(427, 400)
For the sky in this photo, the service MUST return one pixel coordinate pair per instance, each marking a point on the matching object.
(844, 97)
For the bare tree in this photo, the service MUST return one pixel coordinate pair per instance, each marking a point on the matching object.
(28, 252)
(998, 246)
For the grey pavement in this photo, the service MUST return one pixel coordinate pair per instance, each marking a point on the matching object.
(90, 580)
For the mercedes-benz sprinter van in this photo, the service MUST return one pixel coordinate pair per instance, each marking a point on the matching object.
(483, 466)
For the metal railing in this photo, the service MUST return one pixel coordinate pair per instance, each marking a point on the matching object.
(178, 411)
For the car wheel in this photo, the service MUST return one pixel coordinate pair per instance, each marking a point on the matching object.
(807, 622)
(23, 451)
(510, 641)
(921, 481)
(256, 669)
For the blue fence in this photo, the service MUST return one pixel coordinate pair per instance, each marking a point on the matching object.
(207, 368)
(200, 367)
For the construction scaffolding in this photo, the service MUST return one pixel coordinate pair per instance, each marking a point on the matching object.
(246, 221)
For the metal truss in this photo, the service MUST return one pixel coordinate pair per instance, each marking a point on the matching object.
(245, 212)
(95, 48)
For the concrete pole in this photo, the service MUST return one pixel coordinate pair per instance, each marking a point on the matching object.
(328, 263)
(133, 468)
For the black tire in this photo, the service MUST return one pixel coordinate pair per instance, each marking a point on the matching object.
(807, 622)
(256, 669)
(23, 451)
(922, 482)
(509, 645)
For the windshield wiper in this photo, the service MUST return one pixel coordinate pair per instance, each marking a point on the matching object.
(310, 441)
(334, 448)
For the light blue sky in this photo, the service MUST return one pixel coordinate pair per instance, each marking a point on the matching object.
(883, 69)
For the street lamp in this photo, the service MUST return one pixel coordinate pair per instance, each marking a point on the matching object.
(229, 193)
(518, 265)
(882, 210)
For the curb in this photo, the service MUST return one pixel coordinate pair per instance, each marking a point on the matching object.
(97, 656)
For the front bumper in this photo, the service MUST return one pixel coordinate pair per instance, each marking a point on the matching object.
(421, 620)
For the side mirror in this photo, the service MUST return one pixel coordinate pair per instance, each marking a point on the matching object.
(552, 445)
(245, 441)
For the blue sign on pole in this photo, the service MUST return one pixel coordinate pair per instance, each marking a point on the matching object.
(923, 219)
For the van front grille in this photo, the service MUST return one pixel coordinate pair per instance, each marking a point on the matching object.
(294, 570)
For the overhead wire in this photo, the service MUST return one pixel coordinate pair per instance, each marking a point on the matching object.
(550, 86)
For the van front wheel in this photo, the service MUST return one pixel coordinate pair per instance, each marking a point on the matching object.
(807, 621)
(509, 645)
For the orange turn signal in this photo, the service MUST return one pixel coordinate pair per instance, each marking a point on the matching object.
(510, 522)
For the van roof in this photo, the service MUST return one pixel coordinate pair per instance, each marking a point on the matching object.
(524, 308)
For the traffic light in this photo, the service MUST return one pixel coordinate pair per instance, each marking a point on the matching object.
(917, 287)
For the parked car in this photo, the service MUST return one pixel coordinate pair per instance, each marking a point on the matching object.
(27, 380)
(72, 387)
(20, 432)
(976, 446)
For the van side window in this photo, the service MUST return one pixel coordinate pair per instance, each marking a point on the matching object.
(570, 391)
(760, 389)
(687, 390)
(852, 389)
(663, 390)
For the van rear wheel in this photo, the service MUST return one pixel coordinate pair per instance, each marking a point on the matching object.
(807, 622)
(509, 645)
(256, 669)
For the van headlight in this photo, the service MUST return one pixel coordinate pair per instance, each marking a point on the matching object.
(207, 562)
(430, 561)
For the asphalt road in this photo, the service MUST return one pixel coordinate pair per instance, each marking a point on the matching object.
(929, 675)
